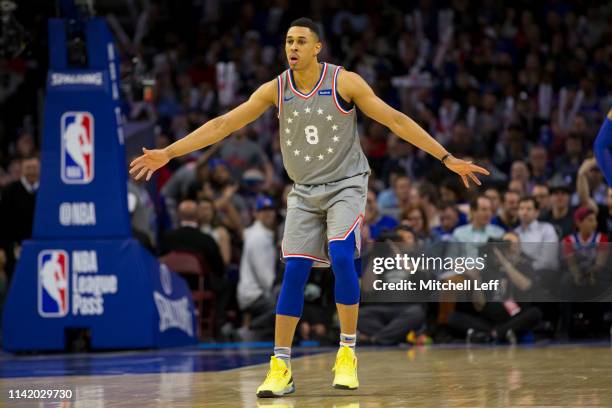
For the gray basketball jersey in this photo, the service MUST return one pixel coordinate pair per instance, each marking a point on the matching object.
(319, 139)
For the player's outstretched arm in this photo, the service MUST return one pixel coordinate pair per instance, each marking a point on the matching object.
(351, 85)
(209, 133)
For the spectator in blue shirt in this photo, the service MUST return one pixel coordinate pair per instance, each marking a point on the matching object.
(375, 222)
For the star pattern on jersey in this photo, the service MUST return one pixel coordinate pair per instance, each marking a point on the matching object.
(318, 155)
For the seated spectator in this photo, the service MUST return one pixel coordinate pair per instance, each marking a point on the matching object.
(242, 154)
(415, 217)
(319, 306)
(188, 237)
(493, 194)
(391, 202)
(538, 239)
(222, 188)
(467, 241)
(450, 219)
(583, 187)
(209, 224)
(258, 272)
(586, 254)
(507, 218)
(498, 315)
(567, 165)
(583, 250)
(539, 165)
(542, 195)
(520, 172)
(17, 205)
(374, 221)
(428, 198)
(560, 213)
(605, 215)
(389, 323)
(480, 229)
(142, 237)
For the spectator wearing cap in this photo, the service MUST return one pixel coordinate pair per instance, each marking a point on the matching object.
(538, 238)
(258, 271)
(560, 213)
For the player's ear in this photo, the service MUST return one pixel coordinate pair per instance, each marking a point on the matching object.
(318, 47)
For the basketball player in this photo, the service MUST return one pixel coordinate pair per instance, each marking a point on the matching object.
(316, 105)
(603, 148)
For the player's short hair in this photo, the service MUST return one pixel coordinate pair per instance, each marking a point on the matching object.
(308, 23)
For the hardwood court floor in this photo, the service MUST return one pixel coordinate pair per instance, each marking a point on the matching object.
(568, 376)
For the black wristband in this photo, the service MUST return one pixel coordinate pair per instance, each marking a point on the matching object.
(446, 156)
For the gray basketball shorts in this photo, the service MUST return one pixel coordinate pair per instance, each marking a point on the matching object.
(319, 214)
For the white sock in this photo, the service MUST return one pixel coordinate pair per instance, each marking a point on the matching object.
(348, 340)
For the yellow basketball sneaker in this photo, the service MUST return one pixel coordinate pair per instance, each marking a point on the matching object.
(278, 382)
(346, 369)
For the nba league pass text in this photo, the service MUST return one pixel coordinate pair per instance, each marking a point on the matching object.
(87, 286)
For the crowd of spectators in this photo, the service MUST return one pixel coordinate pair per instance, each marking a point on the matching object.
(521, 88)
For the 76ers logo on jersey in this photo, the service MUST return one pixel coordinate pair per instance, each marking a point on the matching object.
(53, 283)
(77, 147)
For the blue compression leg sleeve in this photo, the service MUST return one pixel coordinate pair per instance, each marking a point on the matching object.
(603, 149)
(343, 265)
(291, 297)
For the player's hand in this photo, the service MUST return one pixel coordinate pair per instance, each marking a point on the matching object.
(146, 164)
(465, 169)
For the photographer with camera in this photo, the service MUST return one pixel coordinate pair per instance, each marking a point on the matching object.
(506, 312)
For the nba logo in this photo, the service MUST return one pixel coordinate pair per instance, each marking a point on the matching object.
(53, 283)
(77, 147)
